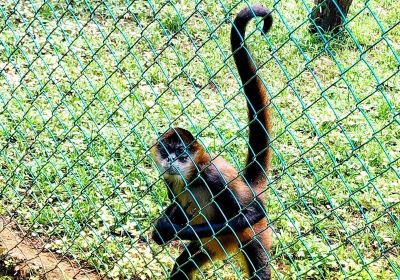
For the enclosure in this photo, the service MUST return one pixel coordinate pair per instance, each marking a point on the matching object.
(87, 87)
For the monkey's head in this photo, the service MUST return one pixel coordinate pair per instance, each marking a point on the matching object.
(177, 153)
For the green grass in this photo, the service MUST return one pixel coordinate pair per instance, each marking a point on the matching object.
(86, 90)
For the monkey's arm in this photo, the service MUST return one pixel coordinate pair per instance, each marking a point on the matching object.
(166, 230)
(240, 209)
(239, 213)
(238, 216)
(175, 216)
(247, 217)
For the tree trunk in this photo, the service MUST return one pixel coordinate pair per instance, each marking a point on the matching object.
(327, 16)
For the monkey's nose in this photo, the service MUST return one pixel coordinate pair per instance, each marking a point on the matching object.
(172, 170)
(171, 158)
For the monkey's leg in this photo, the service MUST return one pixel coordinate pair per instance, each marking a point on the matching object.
(190, 260)
(256, 255)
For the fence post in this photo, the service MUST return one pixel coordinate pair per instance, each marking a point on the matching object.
(327, 16)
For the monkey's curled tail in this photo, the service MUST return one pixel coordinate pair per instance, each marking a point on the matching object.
(258, 157)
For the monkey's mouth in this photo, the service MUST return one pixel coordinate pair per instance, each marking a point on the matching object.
(171, 170)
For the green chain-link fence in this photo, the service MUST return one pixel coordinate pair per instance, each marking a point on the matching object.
(88, 86)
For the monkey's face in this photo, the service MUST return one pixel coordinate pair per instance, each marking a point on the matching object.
(175, 154)
(175, 159)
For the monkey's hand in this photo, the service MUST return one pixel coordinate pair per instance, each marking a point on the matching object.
(165, 231)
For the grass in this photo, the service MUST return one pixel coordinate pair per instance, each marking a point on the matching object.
(86, 90)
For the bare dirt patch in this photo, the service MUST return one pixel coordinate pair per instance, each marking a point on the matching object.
(20, 259)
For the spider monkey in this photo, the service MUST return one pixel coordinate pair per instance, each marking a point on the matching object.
(212, 204)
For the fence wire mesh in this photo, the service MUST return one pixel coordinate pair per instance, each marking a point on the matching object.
(87, 87)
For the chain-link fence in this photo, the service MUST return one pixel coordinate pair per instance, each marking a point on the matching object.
(88, 86)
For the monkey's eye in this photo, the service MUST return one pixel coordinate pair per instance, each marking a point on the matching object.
(183, 157)
(179, 151)
(163, 152)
